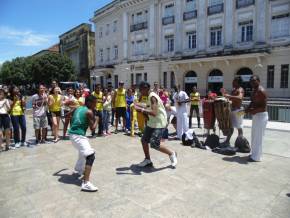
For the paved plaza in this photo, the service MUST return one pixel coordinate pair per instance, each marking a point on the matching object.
(39, 181)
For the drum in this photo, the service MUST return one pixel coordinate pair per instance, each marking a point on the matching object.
(222, 110)
(208, 114)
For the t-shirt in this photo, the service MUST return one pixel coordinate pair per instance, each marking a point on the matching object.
(17, 109)
(194, 97)
(180, 96)
(79, 121)
(120, 100)
(160, 120)
(39, 105)
(99, 105)
(4, 106)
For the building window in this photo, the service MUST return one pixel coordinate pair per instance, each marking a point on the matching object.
(244, 3)
(139, 18)
(169, 10)
(191, 40)
(145, 77)
(165, 80)
(284, 76)
(138, 78)
(116, 52)
(139, 49)
(246, 31)
(172, 80)
(108, 54)
(215, 36)
(108, 29)
(101, 32)
(132, 79)
(190, 5)
(280, 25)
(115, 26)
(170, 43)
(270, 76)
(101, 52)
(116, 80)
(215, 7)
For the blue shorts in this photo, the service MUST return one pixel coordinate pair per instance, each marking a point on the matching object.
(4, 121)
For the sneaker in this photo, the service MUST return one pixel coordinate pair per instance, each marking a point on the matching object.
(116, 131)
(173, 159)
(17, 145)
(145, 163)
(24, 144)
(89, 187)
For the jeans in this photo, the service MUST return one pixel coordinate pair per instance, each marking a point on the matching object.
(106, 120)
(99, 114)
(113, 116)
(16, 122)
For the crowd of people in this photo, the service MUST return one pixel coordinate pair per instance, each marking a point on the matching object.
(148, 110)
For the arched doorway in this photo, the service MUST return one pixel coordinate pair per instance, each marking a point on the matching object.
(246, 74)
(215, 81)
(190, 81)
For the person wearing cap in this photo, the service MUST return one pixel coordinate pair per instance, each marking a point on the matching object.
(119, 101)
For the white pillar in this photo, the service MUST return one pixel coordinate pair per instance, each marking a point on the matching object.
(125, 36)
(229, 21)
(151, 23)
(202, 25)
(159, 31)
(178, 22)
(261, 21)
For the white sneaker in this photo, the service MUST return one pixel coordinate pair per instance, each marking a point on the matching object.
(17, 145)
(24, 144)
(89, 187)
(145, 163)
(173, 159)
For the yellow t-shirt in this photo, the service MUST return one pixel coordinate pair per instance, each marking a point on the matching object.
(194, 97)
(80, 101)
(99, 105)
(120, 99)
(56, 106)
(144, 99)
(17, 109)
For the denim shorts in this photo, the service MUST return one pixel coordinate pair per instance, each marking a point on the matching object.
(152, 136)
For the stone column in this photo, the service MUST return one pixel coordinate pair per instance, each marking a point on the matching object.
(125, 36)
(151, 23)
(229, 21)
(159, 30)
(201, 26)
(261, 10)
(179, 32)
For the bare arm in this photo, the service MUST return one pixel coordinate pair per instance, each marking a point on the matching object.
(91, 119)
(150, 111)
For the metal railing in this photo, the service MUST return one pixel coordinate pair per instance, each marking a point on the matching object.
(276, 112)
(215, 9)
(139, 26)
(168, 20)
(189, 15)
(244, 3)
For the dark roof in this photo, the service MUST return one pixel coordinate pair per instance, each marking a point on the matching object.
(82, 24)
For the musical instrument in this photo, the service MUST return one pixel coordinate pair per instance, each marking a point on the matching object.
(208, 114)
(222, 110)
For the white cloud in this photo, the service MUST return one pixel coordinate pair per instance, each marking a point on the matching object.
(24, 37)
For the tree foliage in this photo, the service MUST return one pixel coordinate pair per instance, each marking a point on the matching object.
(43, 69)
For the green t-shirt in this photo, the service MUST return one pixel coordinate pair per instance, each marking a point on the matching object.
(79, 123)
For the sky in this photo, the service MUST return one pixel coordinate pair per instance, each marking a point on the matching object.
(28, 26)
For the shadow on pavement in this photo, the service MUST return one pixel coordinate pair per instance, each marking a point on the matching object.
(135, 170)
(71, 179)
(288, 195)
(237, 159)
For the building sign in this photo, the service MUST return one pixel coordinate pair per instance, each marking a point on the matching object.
(215, 79)
(246, 78)
(190, 79)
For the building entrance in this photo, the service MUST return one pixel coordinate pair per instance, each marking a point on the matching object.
(215, 81)
(190, 81)
(246, 73)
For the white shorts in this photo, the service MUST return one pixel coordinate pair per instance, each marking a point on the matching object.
(82, 144)
(237, 119)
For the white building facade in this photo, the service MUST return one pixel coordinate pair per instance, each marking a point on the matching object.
(203, 43)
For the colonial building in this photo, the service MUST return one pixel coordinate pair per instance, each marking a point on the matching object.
(52, 49)
(79, 45)
(203, 43)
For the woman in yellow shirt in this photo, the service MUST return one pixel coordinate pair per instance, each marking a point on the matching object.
(17, 116)
(54, 103)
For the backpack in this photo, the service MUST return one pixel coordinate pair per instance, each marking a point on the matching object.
(212, 141)
(229, 151)
(186, 141)
(190, 139)
(242, 145)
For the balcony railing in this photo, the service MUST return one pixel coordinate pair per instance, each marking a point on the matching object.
(215, 9)
(244, 3)
(139, 26)
(168, 20)
(189, 15)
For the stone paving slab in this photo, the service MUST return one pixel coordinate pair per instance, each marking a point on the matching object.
(40, 182)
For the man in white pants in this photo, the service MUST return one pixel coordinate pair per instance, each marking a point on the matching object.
(258, 109)
(83, 118)
(181, 99)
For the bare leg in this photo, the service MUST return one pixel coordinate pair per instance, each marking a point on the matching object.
(66, 122)
(1, 140)
(44, 134)
(124, 122)
(7, 138)
(116, 123)
(165, 150)
(229, 136)
(87, 173)
(37, 135)
(146, 150)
